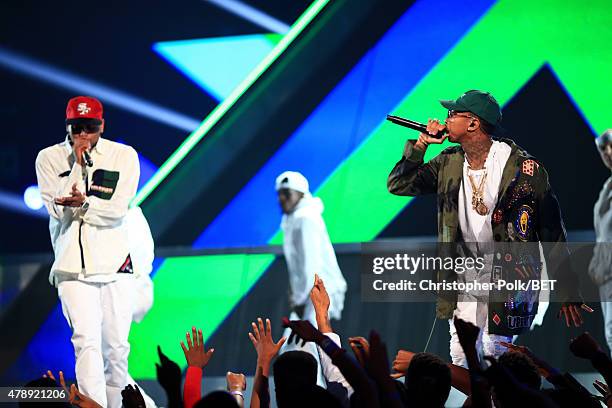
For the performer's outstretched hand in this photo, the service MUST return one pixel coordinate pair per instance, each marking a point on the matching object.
(571, 312)
(194, 351)
(76, 198)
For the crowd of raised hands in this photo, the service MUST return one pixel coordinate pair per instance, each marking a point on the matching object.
(365, 378)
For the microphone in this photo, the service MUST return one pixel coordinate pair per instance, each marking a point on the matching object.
(411, 124)
(87, 158)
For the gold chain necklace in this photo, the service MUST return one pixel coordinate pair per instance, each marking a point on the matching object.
(478, 194)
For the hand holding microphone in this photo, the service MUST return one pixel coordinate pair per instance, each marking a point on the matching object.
(81, 149)
(432, 132)
(435, 132)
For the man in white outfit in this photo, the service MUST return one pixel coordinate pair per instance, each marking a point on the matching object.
(308, 251)
(600, 268)
(87, 183)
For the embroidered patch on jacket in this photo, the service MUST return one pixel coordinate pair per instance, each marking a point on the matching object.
(496, 319)
(127, 266)
(523, 222)
(103, 184)
(529, 166)
(520, 322)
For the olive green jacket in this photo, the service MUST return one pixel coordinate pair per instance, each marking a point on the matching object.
(526, 211)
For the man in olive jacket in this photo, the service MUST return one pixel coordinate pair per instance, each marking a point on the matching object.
(490, 192)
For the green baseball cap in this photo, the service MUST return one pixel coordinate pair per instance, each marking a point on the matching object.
(481, 104)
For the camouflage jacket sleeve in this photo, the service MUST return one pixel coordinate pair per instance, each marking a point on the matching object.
(552, 235)
(411, 176)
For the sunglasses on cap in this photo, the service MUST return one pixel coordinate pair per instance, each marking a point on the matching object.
(454, 114)
(76, 129)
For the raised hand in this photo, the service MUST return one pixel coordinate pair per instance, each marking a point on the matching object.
(132, 398)
(302, 330)
(194, 351)
(545, 369)
(585, 346)
(81, 400)
(361, 349)
(378, 364)
(261, 337)
(62, 381)
(235, 381)
(401, 363)
(319, 296)
(467, 332)
(168, 372)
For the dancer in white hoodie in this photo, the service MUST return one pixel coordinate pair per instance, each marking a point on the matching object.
(308, 251)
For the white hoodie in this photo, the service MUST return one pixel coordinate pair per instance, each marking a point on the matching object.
(308, 251)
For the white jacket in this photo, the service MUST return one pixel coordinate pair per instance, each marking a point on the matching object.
(308, 251)
(142, 253)
(91, 239)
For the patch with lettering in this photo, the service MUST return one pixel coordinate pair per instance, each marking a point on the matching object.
(520, 322)
(103, 184)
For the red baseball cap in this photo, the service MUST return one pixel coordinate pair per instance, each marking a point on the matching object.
(83, 107)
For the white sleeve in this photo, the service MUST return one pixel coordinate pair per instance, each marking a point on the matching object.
(330, 371)
(52, 186)
(307, 241)
(108, 213)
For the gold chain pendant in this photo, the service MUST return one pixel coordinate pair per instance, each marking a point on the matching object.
(481, 208)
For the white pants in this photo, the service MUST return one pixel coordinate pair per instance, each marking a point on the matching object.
(487, 344)
(100, 316)
(310, 347)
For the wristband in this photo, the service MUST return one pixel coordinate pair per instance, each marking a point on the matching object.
(237, 393)
(330, 348)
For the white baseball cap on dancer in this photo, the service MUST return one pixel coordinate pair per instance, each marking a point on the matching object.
(292, 180)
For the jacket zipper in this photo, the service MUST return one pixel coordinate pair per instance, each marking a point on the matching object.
(81, 227)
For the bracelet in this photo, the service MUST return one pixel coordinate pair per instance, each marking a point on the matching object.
(237, 393)
(328, 345)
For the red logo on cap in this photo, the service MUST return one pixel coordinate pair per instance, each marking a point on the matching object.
(84, 107)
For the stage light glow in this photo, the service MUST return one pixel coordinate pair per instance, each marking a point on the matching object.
(253, 15)
(76, 83)
(32, 198)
